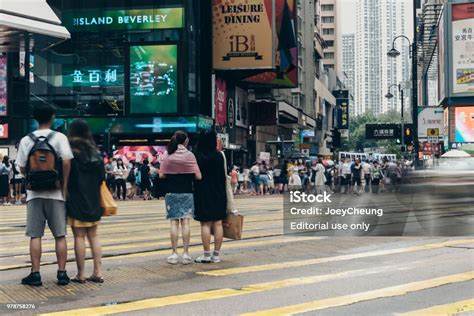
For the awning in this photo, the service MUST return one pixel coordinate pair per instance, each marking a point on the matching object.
(34, 17)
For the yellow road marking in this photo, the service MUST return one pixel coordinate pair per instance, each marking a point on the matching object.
(391, 291)
(215, 294)
(228, 245)
(446, 309)
(301, 263)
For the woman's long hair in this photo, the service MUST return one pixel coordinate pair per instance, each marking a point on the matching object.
(207, 142)
(80, 129)
(80, 136)
(179, 138)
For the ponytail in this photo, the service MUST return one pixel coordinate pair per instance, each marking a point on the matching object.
(179, 138)
(172, 146)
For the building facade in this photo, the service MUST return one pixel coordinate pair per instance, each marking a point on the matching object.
(378, 22)
(329, 32)
(348, 67)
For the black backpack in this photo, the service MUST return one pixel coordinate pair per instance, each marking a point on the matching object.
(43, 167)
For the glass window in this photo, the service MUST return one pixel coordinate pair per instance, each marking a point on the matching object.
(327, 7)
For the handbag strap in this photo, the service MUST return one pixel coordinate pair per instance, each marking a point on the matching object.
(225, 163)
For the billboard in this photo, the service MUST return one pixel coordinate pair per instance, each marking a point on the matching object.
(243, 34)
(140, 153)
(430, 119)
(153, 79)
(463, 49)
(285, 74)
(117, 20)
(221, 102)
(464, 124)
(342, 107)
(3, 85)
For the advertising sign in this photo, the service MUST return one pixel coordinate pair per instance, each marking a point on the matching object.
(93, 76)
(154, 79)
(3, 130)
(263, 113)
(463, 48)
(221, 102)
(285, 73)
(342, 106)
(116, 20)
(3, 85)
(243, 34)
(241, 108)
(430, 122)
(382, 131)
(140, 153)
(464, 124)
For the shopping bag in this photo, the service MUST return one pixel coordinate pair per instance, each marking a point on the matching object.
(230, 207)
(107, 201)
(233, 226)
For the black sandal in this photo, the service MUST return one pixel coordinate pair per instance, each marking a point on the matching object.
(77, 280)
(95, 279)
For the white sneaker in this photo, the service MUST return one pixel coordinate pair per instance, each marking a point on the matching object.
(18, 203)
(215, 259)
(173, 259)
(186, 259)
(202, 259)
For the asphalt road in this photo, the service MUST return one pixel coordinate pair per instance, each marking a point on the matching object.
(264, 274)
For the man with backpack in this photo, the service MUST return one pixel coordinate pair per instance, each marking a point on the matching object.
(44, 157)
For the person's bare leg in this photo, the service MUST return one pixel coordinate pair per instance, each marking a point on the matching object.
(96, 249)
(174, 235)
(35, 254)
(80, 249)
(186, 234)
(61, 252)
(206, 236)
(218, 235)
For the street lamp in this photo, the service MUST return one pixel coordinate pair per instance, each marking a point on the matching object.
(389, 95)
(393, 53)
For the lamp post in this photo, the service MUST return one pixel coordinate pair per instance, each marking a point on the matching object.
(393, 52)
(389, 95)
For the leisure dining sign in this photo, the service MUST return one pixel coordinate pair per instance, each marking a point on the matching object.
(116, 20)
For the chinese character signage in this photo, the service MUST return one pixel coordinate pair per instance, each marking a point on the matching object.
(382, 131)
(221, 102)
(93, 76)
(465, 124)
(3, 85)
(342, 106)
(463, 48)
(243, 34)
(116, 20)
(154, 79)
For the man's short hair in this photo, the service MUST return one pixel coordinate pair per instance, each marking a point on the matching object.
(43, 113)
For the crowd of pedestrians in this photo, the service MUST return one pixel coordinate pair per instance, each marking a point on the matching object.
(65, 175)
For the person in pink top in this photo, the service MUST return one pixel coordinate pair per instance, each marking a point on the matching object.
(234, 179)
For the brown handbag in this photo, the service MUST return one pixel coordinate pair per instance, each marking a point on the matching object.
(233, 226)
(107, 201)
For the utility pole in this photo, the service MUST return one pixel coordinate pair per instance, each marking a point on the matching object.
(414, 97)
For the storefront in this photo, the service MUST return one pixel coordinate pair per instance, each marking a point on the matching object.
(135, 70)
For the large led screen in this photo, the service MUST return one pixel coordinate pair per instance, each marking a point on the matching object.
(3, 85)
(153, 79)
(465, 124)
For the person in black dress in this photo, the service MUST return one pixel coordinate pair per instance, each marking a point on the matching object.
(210, 200)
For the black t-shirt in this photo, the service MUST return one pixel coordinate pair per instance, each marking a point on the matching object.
(145, 172)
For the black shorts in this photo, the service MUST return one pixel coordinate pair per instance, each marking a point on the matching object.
(145, 185)
(356, 180)
(16, 181)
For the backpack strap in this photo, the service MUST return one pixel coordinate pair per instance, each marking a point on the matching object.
(33, 137)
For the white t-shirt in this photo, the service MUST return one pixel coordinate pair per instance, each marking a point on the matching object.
(60, 143)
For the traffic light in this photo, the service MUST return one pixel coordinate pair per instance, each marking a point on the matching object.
(336, 138)
(408, 134)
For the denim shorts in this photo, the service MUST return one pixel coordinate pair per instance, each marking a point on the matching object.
(179, 205)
